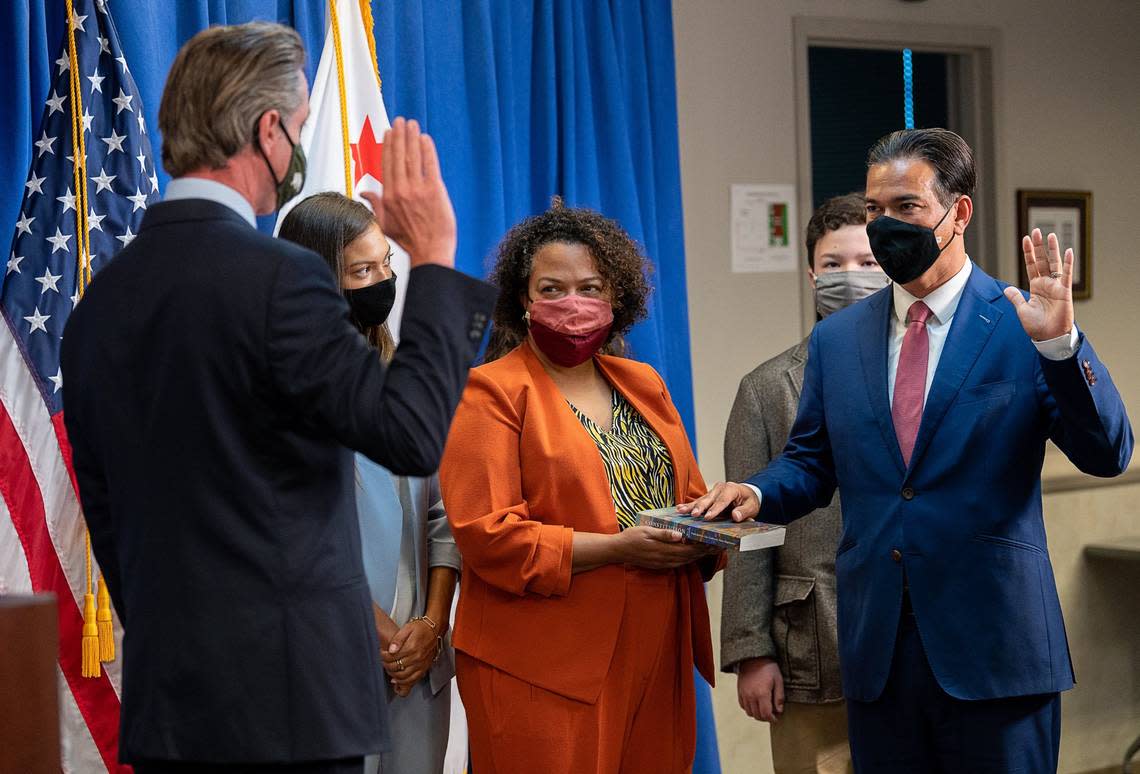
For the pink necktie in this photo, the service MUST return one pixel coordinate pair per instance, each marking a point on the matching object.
(910, 379)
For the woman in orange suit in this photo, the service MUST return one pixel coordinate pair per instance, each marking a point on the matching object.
(576, 629)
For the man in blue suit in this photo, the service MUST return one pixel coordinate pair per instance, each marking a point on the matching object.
(929, 405)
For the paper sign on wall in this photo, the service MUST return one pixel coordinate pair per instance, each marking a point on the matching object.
(765, 230)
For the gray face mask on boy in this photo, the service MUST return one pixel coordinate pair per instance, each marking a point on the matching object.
(835, 290)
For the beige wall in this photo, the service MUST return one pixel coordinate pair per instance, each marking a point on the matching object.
(1068, 117)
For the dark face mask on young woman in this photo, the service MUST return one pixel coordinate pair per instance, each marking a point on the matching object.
(371, 304)
(905, 250)
(571, 329)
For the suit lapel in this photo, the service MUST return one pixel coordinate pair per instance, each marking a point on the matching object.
(411, 493)
(796, 372)
(974, 322)
(873, 333)
(559, 421)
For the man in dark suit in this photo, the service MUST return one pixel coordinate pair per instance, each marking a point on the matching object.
(929, 406)
(215, 392)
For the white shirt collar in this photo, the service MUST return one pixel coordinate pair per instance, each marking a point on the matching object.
(942, 301)
(212, 190)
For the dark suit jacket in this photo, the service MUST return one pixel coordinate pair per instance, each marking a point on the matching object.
(215, 389)
(964, 519)
(780, 604)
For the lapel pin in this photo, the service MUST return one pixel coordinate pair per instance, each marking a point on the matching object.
(986, 319)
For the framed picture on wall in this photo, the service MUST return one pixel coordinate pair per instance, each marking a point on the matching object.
(1068, 214)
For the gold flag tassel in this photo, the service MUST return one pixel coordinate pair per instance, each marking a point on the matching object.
(106, 627)
(91, 650)
(91, 666)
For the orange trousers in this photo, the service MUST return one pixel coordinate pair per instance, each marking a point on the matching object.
(643, 721)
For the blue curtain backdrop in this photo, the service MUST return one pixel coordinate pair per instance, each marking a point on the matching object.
(525, 100)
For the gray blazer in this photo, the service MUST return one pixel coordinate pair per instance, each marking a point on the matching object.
(389, 506)
(780, 603)
(381, 499)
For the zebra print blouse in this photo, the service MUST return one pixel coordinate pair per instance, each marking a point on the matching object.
(637, 462)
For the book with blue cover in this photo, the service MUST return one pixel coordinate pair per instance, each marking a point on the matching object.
(725, 533)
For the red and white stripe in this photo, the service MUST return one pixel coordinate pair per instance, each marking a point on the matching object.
(42, 549)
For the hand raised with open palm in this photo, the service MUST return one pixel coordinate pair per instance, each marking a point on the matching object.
(1049, 311)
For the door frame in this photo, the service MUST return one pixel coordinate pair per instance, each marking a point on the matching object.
(978, 51)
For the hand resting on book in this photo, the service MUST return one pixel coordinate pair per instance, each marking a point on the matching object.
(726, 499)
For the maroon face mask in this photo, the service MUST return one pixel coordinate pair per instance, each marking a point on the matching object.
(569, 330)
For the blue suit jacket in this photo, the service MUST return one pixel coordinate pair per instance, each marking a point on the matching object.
(966, 514)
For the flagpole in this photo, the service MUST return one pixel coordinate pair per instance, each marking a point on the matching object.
(335, 22)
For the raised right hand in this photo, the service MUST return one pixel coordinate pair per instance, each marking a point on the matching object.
(760, 689)
(414, 209)
(659, 549)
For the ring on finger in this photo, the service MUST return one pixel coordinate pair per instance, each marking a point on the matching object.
(1055, 275)
(400, 664)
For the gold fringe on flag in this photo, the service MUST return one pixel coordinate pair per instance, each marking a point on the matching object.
(366, 15)
(347, 142)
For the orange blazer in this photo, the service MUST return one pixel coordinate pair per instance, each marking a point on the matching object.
(519, 475)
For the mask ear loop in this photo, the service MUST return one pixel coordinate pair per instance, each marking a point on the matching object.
(257, 143)
(937, 238)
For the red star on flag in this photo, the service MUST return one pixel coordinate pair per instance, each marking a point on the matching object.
(367, 153)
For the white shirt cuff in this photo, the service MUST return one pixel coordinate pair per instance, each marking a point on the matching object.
(1061, 348)
(756, 489)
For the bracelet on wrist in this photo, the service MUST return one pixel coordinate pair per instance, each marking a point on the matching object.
(426, 620)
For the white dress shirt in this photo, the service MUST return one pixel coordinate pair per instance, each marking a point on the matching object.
(201, 188)
(943, 303)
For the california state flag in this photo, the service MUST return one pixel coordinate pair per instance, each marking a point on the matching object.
(347, 120)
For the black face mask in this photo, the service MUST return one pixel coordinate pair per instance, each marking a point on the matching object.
(904, 250)
(371, 304)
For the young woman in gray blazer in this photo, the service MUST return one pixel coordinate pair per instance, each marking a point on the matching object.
(410, 557)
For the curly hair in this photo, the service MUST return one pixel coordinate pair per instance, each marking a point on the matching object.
(620, 262)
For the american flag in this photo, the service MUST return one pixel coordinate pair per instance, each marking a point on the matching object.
(42, 533)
